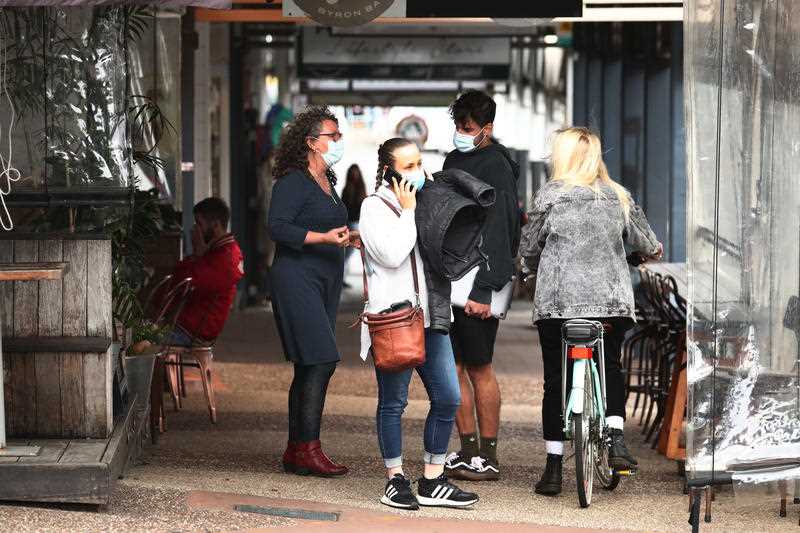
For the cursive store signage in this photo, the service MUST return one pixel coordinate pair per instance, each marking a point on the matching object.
(375, 57)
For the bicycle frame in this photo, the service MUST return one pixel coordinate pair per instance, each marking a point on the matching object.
(573, 404)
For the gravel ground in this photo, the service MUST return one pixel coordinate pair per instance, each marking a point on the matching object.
(134, 507)
(241, 454)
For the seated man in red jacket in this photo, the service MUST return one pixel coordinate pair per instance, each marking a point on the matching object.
(215, 267)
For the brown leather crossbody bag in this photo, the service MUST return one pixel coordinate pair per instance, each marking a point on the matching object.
(398, 336)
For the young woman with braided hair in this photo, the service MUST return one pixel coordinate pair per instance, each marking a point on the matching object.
(389, 237)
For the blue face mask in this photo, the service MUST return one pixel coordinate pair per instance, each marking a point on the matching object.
(334, 153)
(463, 142)
(416, 178)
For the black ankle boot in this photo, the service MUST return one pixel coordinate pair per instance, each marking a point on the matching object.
(550, 483)
(619, 457)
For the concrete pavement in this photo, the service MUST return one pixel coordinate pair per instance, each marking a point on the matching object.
(199, 472)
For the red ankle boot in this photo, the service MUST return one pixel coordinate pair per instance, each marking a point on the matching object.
(310, 459)
(289, 457)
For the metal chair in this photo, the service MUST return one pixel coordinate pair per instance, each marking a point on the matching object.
(203, 355)
(171, 297)
(201, 352)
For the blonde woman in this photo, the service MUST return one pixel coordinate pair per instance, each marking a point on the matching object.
(573, 249)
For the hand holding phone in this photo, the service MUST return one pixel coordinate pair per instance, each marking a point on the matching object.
(406, 194)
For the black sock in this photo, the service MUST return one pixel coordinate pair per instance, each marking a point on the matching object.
(469, 445)
(489, 448)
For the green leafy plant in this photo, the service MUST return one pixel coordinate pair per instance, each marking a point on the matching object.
(128, 236)
(148, 127)
(147, 331)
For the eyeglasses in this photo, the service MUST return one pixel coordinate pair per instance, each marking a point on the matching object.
(336, 135)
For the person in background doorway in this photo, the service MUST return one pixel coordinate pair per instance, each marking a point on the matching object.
(353, 195)
(308, 222)
(583, 219)
(474, 328)
(389, 237)
(215, 266)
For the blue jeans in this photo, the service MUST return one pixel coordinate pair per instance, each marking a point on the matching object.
(441, 381)
(178, 337)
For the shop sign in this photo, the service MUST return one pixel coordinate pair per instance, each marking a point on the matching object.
(407, 58)
(343, 12)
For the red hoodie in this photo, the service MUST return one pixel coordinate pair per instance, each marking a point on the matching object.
(214, 277)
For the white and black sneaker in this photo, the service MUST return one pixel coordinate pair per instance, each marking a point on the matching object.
(439, 492)
(478, 468)
(486, 469)
(398, 494)
(459, 466)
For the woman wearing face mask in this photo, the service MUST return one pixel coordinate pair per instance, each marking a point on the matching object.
(389, 235)
(308, 222)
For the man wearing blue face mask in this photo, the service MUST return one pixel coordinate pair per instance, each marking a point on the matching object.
(474, 329)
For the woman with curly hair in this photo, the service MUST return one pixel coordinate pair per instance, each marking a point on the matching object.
(308, 222)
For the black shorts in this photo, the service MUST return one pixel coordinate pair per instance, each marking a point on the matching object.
(473, 339)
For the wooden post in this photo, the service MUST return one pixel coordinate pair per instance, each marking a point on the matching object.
(47, 364)
(26, 324)
(669, 437)
(97, 368)
(74, 325)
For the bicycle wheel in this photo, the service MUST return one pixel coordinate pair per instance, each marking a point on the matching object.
(605, 474)
(582, 437)
(608, 478)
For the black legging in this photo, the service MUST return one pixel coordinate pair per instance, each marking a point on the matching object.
(550, 339)
(307, 400)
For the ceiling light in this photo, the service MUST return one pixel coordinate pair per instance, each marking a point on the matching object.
(551, 39)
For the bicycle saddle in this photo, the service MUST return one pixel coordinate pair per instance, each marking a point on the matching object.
(579, 331)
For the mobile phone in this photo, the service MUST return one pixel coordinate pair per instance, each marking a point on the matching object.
(392, 173)
(405, 304)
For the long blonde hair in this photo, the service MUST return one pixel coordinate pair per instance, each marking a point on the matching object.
(577, 161)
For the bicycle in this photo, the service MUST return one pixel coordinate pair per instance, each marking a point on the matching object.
(584, 408)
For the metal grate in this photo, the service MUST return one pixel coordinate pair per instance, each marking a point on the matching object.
(283, 512)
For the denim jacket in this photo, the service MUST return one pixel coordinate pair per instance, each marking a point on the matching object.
(575, 244)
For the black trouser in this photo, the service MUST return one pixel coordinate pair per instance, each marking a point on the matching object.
(550, 339)
(307, 400)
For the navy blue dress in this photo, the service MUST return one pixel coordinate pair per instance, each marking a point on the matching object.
(306, 279)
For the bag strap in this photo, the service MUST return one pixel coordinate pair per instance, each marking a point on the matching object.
(413, 259)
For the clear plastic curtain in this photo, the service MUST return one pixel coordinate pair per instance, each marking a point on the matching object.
(154, 80)
(93, 95)
(743, 128)
(65, 79)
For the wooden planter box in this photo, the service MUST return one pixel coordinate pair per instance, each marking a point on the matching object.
(56, 340)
